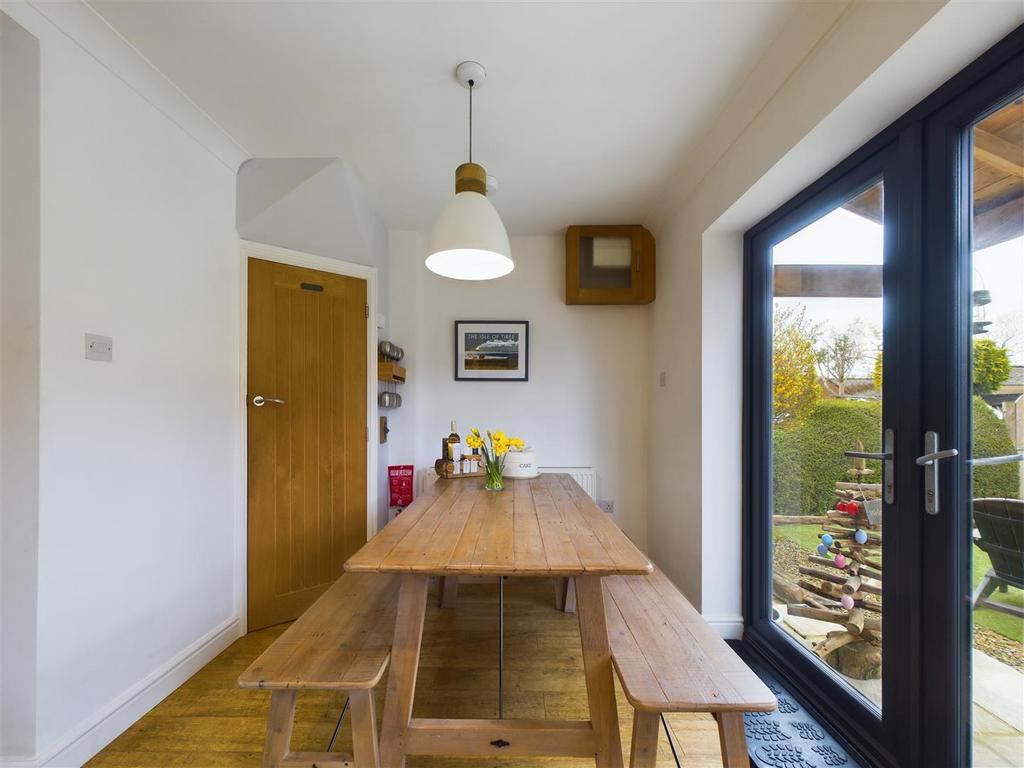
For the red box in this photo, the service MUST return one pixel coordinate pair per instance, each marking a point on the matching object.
(400, 484)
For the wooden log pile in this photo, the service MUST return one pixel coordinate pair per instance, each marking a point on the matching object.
(842, 582)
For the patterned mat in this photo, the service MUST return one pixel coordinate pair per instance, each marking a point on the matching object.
(790, 737)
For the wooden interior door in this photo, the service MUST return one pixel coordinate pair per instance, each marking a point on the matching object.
(306, 434)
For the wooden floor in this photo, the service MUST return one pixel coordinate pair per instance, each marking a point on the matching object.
(208, 722)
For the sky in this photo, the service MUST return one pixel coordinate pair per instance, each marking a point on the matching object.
(843, 237)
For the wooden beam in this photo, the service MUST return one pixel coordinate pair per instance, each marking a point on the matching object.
(500, 738)
(828, 280)
(998, 152)
(999, 224)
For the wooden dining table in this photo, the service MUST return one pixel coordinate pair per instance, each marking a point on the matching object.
(544, 527)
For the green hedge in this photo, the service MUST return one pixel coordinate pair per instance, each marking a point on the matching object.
(808, 456)
(991, 438)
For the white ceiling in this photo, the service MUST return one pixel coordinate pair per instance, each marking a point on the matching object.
(587, 111)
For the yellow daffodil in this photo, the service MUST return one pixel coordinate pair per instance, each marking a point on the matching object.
(494, 448)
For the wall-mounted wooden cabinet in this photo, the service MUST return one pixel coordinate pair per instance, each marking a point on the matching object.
(609, 264)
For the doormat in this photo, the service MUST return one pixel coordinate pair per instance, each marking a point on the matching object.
(790, 737)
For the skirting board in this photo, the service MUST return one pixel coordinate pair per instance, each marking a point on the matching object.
(97, 731)
(728, 627)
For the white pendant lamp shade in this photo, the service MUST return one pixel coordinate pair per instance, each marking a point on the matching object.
(469, 241)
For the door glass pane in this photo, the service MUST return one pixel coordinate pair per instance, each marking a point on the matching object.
(997, 434)
(827, 399)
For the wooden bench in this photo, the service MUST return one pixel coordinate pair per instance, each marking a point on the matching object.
(341, 643)
(669, 659)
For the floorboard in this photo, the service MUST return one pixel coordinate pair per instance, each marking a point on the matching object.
(209, 723)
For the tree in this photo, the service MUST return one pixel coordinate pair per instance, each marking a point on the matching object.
(991, 366)
(876, 374)
(795, 378)
(840, 355)
(1007, 330)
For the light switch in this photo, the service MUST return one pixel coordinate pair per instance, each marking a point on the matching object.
(99, 348)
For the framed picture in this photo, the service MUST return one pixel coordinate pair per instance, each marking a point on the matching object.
(492, 350)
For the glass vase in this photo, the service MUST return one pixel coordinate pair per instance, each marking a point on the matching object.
(494, 481)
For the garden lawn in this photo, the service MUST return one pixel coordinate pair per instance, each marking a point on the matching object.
(1008, 626)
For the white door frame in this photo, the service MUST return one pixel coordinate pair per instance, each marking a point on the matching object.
(254, 250)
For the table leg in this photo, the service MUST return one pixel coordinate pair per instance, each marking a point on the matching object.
(597, 663)
(501, 647)
(405, 658)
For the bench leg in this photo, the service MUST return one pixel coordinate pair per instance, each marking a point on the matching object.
(364, 729)
(733, 740)
(644, 751)
(570, 596)
(280, 719)
(447, 591)
(597, 665)
(405, 658)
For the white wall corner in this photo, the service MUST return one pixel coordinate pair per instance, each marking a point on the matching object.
(90, 736)
(19, 385)
(80, 23)
(721, 432)
(262, 181)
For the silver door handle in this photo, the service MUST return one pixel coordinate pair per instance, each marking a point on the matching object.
(259, 400)
(928, 458)
(867, 455)
(886, 457)
(930, 462)
(993, 460)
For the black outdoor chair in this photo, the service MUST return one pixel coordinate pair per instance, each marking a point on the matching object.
(1000, 524)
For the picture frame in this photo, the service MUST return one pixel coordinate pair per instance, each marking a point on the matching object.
(492, 350)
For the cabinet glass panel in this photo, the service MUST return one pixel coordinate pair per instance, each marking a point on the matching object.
(606, 262)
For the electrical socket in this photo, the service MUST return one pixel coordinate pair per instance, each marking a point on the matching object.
(607, 505)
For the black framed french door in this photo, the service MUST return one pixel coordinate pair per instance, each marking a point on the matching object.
(974, 235)
(838, 271)
(876, 454)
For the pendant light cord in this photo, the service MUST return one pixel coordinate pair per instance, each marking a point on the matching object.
(471, 121)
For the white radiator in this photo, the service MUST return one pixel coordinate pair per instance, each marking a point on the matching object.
(585, 476)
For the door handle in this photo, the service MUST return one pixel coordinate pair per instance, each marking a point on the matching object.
(886, 457)
(930, 461)
(259, 400)
(993, 460)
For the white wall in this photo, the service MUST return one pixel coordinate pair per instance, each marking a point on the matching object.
(836, 76)
(586, 400)
(138, 469)
(19, 383)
